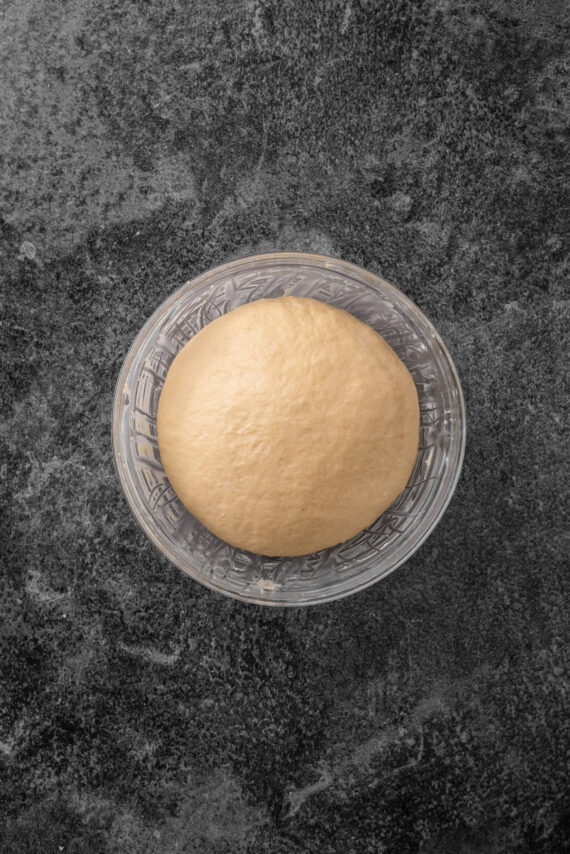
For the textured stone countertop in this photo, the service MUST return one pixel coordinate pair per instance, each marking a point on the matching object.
(144, 143)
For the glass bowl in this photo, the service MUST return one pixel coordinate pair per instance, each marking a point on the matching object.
(331, 573)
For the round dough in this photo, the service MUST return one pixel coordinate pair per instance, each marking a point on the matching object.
(287, 426)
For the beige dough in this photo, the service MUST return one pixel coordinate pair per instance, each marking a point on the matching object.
(287, 426)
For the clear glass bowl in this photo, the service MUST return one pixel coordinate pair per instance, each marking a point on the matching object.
(352, 565)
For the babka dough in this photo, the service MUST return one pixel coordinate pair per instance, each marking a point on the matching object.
(287, 426)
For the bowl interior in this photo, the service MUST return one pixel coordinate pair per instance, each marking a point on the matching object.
(327, 574)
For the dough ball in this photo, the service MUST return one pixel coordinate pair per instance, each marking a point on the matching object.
(287, 426)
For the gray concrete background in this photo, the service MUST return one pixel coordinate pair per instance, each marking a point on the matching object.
(141, 144)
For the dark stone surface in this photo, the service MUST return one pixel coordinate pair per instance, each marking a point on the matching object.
(146, 142)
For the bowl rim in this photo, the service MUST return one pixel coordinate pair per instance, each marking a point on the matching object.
(235, 264)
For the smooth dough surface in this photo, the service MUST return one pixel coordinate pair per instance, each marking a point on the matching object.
(287, 426)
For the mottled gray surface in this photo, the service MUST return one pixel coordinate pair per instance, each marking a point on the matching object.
(143, 143)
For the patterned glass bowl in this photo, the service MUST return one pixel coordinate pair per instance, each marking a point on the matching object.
(331, 573)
